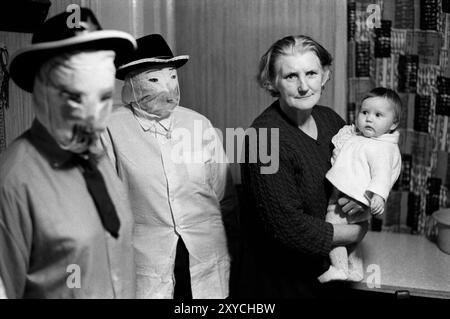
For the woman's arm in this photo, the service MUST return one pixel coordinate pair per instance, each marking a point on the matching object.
(348, 234)
(345, 234)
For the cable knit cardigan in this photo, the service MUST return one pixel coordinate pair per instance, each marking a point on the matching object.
(285, 212)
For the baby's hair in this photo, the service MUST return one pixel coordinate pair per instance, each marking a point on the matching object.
(391, 96)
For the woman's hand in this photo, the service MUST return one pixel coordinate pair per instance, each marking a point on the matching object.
(353, 233)
(350, 206)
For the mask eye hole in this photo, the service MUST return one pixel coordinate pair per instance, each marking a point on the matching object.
(71, 96)
(106, 97)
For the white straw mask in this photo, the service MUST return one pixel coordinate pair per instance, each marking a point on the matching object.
(73, 96)
(154, 92)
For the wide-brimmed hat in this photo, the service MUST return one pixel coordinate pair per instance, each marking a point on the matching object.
(152, 50)
(60, 34)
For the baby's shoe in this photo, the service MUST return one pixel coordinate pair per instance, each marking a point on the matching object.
(332, 274)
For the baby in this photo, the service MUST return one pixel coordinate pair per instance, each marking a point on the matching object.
(366, 162)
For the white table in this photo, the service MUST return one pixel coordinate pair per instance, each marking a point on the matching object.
(404, 262)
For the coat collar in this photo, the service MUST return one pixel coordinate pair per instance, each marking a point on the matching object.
(152, 123)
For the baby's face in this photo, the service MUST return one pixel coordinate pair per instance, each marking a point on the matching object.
(376, 117)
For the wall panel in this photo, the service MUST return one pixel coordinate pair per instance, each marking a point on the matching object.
(225, 40)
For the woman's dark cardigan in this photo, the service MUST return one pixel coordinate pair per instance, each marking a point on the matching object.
(286, 238)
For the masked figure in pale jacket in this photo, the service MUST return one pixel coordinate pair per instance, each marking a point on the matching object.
(172, 162)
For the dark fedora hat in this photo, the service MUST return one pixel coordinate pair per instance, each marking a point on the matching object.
(57, 35)
(152, 50)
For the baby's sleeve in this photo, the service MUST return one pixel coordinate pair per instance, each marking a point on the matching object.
(385, 165)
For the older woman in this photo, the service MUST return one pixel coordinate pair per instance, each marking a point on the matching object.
(287, 239)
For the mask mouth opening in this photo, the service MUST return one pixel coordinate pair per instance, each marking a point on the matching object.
(157, 106)
(84, 138)
(160, 99)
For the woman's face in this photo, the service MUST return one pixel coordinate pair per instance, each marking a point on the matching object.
(299, 79)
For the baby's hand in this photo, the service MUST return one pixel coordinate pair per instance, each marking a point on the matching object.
(376, 205)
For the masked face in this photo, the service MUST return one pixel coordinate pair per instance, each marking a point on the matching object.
(73, 95)
(154, 91)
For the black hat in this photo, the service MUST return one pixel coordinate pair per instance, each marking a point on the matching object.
(152, 50)
(56, 36)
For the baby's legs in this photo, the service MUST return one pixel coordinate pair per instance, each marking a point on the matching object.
(338, 255)
(355, 263)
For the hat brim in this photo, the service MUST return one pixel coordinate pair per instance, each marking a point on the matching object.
(25, 62)
(123, 70)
